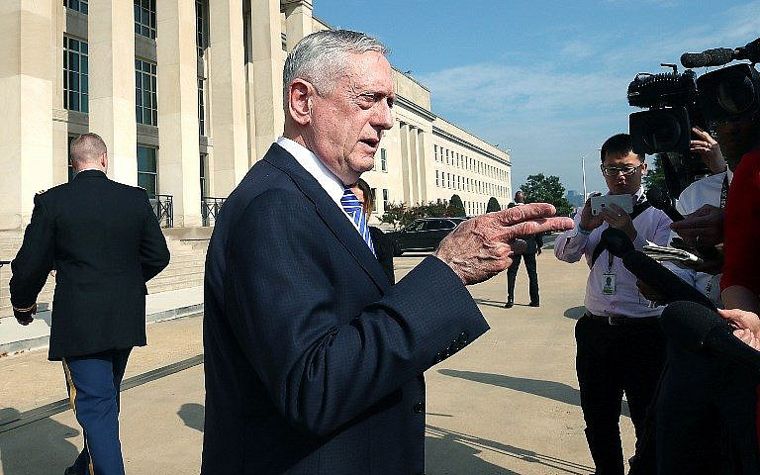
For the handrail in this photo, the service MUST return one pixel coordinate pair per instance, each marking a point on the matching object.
(210, 207)
(163, 207)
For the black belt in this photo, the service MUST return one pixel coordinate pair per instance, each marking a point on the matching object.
(621, 320)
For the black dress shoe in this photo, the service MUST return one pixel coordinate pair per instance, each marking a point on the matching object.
(533, 304)
(510, 303)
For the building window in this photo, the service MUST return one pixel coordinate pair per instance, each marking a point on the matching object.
(68, 154)
(204, 180)
(146, 103)
(201, 106)
(383, 160)
(201, 42)
(435, 152)
(145, 18)
(436, 178)
(75, 75)
(385, 199)
(373, 199)
(147, 172)
(76, 5)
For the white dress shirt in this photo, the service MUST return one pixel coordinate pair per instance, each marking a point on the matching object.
(327, 180)
(651, 225)
(706, 191)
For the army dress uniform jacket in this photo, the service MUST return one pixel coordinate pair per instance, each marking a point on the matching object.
(104, 242)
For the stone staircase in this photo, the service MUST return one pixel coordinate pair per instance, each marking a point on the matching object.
(185, 269)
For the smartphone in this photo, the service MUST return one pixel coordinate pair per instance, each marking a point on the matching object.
(600, 202)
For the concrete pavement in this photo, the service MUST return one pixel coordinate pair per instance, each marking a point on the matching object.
(507, 404)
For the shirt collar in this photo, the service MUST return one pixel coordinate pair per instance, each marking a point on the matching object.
(88, 169)
(307, 159)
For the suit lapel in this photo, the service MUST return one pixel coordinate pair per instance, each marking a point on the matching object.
(330, 213)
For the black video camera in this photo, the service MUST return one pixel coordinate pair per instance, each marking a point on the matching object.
(673, 103)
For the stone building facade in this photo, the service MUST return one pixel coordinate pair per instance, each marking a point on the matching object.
(187, 95)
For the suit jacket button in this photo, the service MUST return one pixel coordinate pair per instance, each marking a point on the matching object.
(419, 408)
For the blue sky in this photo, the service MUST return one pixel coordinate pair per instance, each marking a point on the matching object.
(544, 79)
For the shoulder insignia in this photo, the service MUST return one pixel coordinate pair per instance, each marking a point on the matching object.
(40, 192)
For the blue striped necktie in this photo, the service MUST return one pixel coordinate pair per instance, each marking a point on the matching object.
(353, 208)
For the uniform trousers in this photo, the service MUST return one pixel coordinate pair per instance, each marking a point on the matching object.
(530, 266)
(622, 355)
(94, 382)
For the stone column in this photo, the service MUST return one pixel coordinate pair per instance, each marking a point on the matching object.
(405, 175)
(414, 163)
(299, 21)
(422, 165)
(179, 155)
(112, 84)
(227, 88)
(266, 81)
(26, 94)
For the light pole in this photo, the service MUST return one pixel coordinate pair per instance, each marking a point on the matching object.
(583, 167)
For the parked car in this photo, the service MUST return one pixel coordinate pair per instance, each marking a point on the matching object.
(423, 234)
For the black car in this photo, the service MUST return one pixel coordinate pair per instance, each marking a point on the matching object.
(423, 234)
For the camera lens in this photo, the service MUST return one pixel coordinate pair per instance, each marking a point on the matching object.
(663, 132)
(736, 95)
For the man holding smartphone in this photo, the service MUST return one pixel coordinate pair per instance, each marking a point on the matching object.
(620, 344)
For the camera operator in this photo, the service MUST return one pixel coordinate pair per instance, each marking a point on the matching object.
(706, 409)
(712, 191)
(620, 343)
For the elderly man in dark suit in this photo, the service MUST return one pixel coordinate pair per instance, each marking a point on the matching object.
(104, 242)
(314, 361)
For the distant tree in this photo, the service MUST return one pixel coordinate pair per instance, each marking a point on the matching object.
(655, 177)
(493, 205)
(456, 207)
(546, 189)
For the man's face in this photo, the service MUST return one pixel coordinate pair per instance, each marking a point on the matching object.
(347, 124)
(519, 197)
(736, 139)
(617, 181)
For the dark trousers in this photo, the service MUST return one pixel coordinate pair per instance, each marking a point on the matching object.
(705, 417)
(93, 382)
(530, 265)
(612, 360)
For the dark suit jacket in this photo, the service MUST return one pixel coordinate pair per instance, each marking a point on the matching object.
(104, 242)
(313, 360)
(384, 251)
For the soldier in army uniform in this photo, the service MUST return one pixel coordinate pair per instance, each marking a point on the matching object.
(105, 243)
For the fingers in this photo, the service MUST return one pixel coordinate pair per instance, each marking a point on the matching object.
(535, 226)
(519, 214)
(739, 318)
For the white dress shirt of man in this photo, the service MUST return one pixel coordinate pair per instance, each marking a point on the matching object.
(620, 347)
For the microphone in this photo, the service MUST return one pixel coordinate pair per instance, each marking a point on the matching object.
(710, 57)
(697, 329)
(750, 51)
(660, 200)
(650, 271)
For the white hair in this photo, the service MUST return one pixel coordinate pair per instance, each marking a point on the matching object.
(320, 57)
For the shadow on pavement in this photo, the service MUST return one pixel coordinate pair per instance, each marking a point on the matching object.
(574, 313)
(192, 414)
(455, 452)
(548, 389)
(38, 448)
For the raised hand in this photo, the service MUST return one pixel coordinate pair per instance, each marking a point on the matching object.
(482, 247)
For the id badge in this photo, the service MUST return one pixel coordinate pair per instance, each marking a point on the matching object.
(608, 284)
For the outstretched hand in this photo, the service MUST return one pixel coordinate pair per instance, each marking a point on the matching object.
(481, 247)
(746, 326)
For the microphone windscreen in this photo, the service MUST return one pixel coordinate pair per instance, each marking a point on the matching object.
(688, 324)
(664, 281)
(710, 57)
